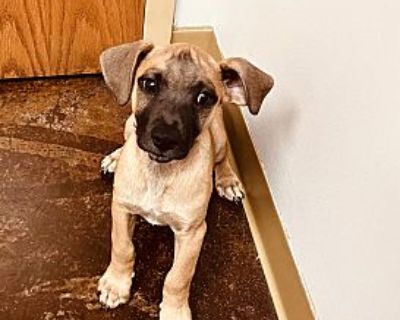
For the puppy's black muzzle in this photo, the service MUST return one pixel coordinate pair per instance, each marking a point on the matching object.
(166, 128)
(162, 140)
(165, 138)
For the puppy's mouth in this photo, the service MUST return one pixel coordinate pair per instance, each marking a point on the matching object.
(159, 158)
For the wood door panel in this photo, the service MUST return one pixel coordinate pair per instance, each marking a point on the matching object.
(58, 37)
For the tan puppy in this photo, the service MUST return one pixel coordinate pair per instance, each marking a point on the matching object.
(175, 139)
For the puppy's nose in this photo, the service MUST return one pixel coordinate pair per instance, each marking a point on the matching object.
(165, 138)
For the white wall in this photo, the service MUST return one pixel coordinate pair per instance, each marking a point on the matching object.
(329, 138)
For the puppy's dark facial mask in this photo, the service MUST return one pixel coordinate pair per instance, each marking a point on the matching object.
(173, 104)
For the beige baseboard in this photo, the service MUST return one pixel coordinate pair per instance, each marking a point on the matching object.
(288, 294)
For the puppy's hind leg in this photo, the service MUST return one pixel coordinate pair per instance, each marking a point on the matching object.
(227, 183)
(109, 162)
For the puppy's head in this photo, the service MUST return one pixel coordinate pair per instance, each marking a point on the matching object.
(175, 90)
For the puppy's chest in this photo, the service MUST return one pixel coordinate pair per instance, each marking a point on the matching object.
(153, 195)
(150, 195)
(162, 196)
(160, 201)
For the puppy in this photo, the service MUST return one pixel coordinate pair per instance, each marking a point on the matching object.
(174, 140)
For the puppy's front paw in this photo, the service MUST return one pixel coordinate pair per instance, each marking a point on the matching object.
(114, 289)
(173, 313)
(229, 187)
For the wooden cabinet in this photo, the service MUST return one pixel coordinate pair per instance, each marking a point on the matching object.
(60, 37)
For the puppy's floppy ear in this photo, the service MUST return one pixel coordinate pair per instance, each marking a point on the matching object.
(119, 64)
(245, 84)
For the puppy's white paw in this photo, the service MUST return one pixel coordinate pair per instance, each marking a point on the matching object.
(109, 164)
(114, 289)
(173, 313)
(229, 187)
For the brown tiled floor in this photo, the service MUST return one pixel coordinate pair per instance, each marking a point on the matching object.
(55, 217)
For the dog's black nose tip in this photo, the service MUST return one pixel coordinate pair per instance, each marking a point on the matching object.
(165, 138)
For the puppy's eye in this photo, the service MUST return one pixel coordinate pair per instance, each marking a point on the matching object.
(206, 99)
(148, 85)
